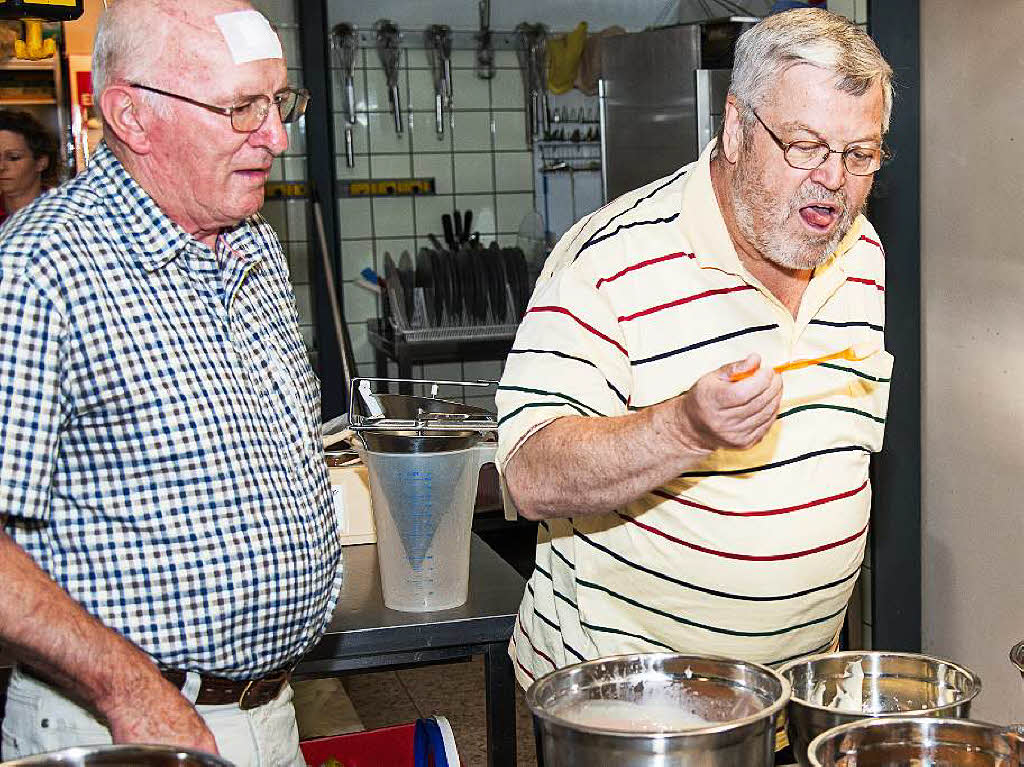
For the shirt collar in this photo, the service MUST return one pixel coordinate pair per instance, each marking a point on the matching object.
(156, 239)
(705, 230)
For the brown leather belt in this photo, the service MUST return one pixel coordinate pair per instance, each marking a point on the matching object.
(247, 693)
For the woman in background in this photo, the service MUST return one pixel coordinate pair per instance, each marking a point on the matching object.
(29, 161)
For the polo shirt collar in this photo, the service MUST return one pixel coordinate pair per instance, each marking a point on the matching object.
(155, 238)
(704, 227)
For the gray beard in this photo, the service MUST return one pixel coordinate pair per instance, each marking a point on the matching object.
(760, 217)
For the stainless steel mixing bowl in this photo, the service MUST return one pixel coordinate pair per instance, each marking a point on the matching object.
(121, 756)
(894, 684)
(1017, 657)
(740, 702)
(902, 741)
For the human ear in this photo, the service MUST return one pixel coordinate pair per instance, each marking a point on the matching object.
(42, 163)
(120, 107)
(732, 133)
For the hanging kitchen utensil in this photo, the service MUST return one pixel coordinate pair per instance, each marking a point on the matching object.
(531, 48)
(524, 55)
(467, 224)
(387, 49)
(345, 42)
(439, 51)
(484, 65)
(540, 69)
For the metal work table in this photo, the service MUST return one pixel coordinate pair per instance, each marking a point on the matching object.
(364, 635)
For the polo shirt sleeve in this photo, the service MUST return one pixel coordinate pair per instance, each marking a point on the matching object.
(31, 409)
(569, 359)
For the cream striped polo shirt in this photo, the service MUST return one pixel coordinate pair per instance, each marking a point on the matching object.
(751, 554)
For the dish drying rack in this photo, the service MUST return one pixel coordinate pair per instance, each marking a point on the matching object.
(570, 156)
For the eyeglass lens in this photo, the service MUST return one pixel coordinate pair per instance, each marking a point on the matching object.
(808, 155)
(291, 105)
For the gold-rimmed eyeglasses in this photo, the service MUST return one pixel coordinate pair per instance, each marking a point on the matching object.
(249, 116)
(859, 159)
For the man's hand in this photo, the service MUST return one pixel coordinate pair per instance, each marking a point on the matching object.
(735, 415)
(156, 712)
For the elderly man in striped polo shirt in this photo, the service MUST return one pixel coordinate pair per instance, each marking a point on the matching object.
(691, 498)
(168, 549)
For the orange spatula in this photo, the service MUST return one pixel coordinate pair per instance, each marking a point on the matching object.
(853, 353)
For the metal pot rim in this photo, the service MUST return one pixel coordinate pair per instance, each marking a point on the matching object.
(925, 721)
(692, 732)
(1017, 656)
(975, 681)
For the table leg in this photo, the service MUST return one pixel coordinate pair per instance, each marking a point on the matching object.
(500, 683)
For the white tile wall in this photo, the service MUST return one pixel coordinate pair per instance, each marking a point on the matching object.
(481, 163)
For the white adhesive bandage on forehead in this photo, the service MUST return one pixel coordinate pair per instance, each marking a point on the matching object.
(249, 36)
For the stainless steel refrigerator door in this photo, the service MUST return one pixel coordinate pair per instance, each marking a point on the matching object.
(648, 106)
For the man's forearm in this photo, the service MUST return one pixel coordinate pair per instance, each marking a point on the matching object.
(576, 465)
(48, 630)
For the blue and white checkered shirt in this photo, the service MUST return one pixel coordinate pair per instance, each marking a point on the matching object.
(159, 428)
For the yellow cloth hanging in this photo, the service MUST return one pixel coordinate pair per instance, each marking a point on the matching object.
(564, 53)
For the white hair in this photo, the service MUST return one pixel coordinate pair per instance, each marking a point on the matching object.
(807, 36)
(124, 51)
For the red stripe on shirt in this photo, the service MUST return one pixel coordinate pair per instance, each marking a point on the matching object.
(688, 299)
(747, 557)
(591, 328)
(766, 512)
(873, 242)
(866, 281)
(642, 264)
(519, 662)
(539, 652)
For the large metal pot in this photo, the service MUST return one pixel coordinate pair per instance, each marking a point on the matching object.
(893, 685)
(121, 756)
(740, 702)
(904, 741)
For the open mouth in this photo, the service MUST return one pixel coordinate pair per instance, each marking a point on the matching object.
(819, 216)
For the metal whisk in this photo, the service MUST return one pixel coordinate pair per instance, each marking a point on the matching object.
(345, 44)
(439, 49)
(387, 49)
(531, 52)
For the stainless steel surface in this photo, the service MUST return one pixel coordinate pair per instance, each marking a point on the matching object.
(602, 111)
(401, 423)
(712, 87)
(894, 685)
(121, 756)
(927, 741)
(1017, 657)
(363, 626)
(649, 105)
(743, 700)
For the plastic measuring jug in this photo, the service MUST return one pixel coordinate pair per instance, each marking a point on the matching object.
(423, 511)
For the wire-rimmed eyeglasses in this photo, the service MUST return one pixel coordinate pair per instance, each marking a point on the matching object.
(250, 116)
(859, 159)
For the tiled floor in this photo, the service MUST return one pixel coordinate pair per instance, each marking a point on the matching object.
(455, 690)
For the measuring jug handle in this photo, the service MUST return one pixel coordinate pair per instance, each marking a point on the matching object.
(485, 452)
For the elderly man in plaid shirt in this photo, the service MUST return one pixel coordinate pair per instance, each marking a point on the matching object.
(168, 548)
